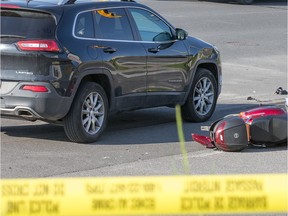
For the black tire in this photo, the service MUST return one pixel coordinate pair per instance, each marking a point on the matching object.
(88, 115)
(246, 2)
(202, 97)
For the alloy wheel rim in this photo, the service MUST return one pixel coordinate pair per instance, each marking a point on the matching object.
(93, 113)
(203, 96)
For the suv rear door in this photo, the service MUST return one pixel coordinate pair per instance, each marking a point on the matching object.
(124, 57)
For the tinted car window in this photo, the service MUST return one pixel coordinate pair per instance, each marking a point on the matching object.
(113, 24)
(151, 27)
(84, 25)
(27, 24)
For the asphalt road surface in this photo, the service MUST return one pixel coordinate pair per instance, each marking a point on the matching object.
(253, 43)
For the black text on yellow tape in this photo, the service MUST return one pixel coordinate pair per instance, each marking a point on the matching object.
(145, 195)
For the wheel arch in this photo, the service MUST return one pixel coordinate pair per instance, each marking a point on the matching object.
(101, 79)
(97, 76)
(211, 66)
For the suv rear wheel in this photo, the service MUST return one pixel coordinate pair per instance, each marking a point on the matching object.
(202, 97)
(87, 118)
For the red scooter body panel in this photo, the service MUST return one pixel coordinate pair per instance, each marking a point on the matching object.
(261, 112)
(203, 140)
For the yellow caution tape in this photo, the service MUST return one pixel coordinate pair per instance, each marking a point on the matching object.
(145, 195)
(181, 138)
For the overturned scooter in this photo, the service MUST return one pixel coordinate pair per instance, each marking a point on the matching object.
(262, 126)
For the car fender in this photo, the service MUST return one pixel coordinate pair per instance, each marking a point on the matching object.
(194, 71)
(87, 75)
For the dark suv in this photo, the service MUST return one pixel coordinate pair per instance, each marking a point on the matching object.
(76, 61)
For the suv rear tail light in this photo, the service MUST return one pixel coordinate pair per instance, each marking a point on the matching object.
(39, 45)
(9, 6)
(34, 88)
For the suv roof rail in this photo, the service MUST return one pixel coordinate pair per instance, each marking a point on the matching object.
(74, 1)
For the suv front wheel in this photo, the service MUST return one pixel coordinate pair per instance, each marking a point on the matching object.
(87, 118)
(202, 97)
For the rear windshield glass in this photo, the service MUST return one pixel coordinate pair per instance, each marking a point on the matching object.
(27, 24)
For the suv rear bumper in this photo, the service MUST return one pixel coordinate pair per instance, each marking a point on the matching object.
(48, 106)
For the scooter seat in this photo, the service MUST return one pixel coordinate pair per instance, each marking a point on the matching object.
(269, 130)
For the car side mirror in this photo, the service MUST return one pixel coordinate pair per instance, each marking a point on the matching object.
(181, 34)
